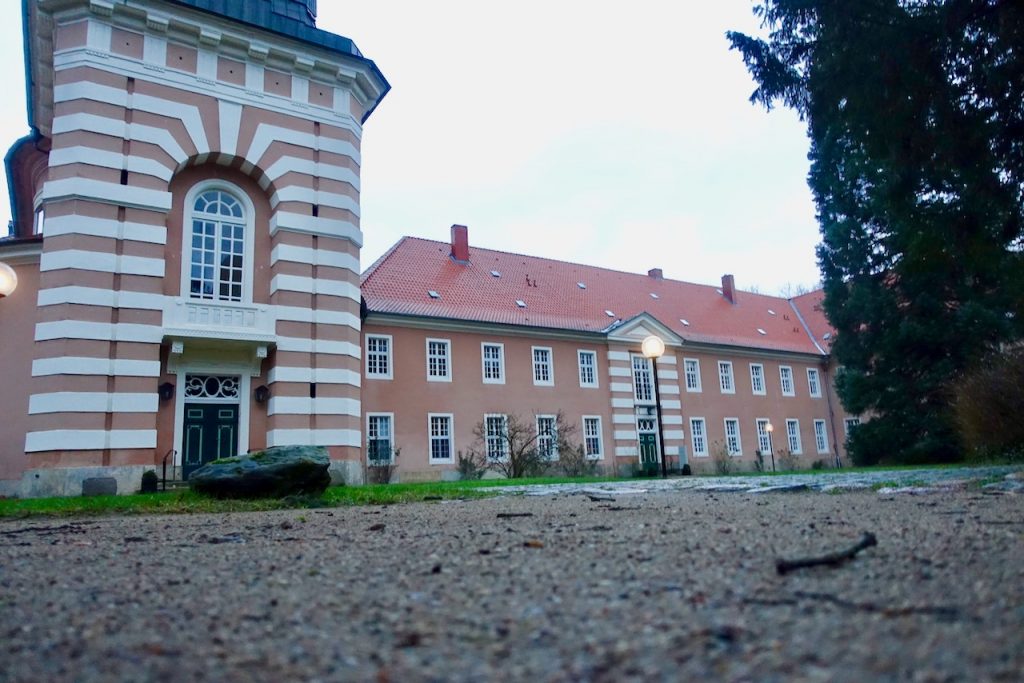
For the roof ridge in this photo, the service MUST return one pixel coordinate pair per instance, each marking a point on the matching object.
(574, 263)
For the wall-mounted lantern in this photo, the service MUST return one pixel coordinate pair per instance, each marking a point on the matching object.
(8, 280)
(166, 391)
(262, 394)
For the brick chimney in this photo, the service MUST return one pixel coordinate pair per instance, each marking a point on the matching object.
(729, 288)
(460, 243)
(656, 273)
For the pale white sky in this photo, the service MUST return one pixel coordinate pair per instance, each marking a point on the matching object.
(609, 133)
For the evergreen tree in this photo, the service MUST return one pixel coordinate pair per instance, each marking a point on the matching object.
(915, 113)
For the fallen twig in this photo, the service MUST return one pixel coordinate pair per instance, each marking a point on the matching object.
(509, 515)
(831, 559)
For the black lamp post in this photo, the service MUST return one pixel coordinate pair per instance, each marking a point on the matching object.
(653, 348)
(771, 448)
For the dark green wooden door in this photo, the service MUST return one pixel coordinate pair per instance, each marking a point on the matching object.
(648, 449)
(210, 432)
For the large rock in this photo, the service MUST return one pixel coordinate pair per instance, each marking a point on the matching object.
(273, 473)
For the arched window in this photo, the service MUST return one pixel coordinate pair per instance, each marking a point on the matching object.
(215, 246)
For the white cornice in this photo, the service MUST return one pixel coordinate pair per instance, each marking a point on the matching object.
(195, 28)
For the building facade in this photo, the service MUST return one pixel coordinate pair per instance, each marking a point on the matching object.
(458, 339)
(186, 235)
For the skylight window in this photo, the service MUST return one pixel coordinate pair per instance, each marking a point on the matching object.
(495, 273)
(653, 295)
(433, 294)
(827, 335)
(771, 312)
(760, 331)
(609, 313)
(684, 321)
(581, 285)
(520, 303)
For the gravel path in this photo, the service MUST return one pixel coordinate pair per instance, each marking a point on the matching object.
(656, 585)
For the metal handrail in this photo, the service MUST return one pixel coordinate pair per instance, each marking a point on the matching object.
(163, 483)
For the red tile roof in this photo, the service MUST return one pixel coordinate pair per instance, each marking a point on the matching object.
(400, 282)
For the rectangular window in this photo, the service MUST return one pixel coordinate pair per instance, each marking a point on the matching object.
(786, 379)
(440, 427)
(643, 385)
(592, 437)
(439, 360)
(813, 385)
(725, 377)
(699, 434)
(757, 378)
(850, 424)
(543, 373)
(732, 436)
(764, 440)
(378, 356)
(692, 371)
(379, 445)
(793, 432)
(493, 356)
(588, 368)
(496, 431)
(547, 437)
(820, 436)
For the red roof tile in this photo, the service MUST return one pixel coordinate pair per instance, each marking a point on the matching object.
(399, 282)
(810, 307)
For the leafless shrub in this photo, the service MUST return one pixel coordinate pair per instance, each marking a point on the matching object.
(513, 448)
(724, 463)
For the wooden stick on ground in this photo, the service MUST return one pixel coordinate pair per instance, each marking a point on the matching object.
(831, 559)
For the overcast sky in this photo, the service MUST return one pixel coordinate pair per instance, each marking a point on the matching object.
(609, 133)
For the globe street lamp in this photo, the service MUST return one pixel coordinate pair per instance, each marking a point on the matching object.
(8, 280)
(771, 449)
(653, 348)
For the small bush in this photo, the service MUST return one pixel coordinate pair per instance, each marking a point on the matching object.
(575, 463)
(787, 461)
(818, 465)
(382, 470)
(724, 463)
(471, 466)
(150, 481)
(687, 470)
(988, 405)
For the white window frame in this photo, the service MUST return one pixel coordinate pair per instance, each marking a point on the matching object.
(389, 356)
(821, 436)
(754, 377)
(593, 383)
(502, 438)
(696, 387)
(553, 455)
(447, 358)
(784, 371)
(793, 439)
(814, 386)
(699, 437)
(538, 366)
(648, 372)
(500, 361)
(248, 238)
(599, 436)
(738, 451)
(849, 424)
(391, 437)
(431, 438)
(726, 366)
(764, 439)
